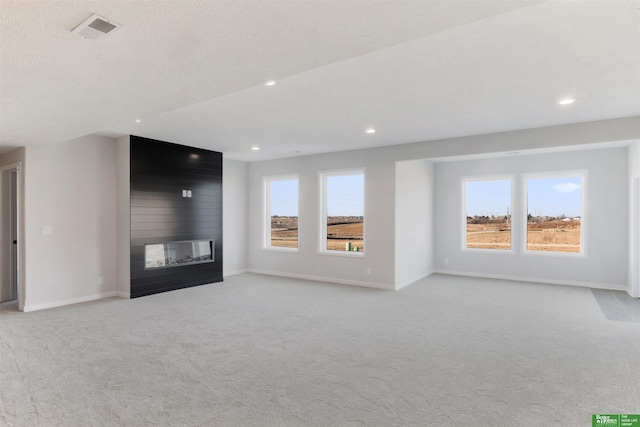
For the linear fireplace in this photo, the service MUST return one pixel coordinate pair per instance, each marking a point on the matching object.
(175, 254)
(175, 241)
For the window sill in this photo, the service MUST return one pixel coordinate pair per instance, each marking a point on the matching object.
(283, 250)
(555, 254)
(345, 254)
(488, 251)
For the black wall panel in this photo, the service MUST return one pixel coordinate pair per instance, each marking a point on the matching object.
(160, 171)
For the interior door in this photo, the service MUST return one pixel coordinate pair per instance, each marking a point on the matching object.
(9, 236)
(13, 215)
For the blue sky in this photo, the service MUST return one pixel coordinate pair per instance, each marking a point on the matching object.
(545, 197)
(554, 196)
(488, 198)
(284, 198)
(345, 196)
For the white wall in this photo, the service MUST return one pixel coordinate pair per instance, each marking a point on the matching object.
(552, 138)
(606, 220)
(378, 257)
(71, 187)
(235, 209)
(380, 223)
(14, 156)
(414, 221)
(81, 189)
(123, 216)
(634, 219)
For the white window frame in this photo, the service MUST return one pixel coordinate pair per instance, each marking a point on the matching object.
(463, 203)
(266, 191)
(322, 179)
(583, 174)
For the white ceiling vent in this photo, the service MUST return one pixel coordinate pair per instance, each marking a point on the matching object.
(97, 28)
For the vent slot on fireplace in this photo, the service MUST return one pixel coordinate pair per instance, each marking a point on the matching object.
(178, 254)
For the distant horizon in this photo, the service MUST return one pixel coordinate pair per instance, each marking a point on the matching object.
(345, 196)
(488, 198)
(284, 198)
(328, 216)
(555, 197)
(551, 197)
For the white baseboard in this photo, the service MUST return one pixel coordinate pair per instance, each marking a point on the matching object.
(383, 286)
(234, 272)
(607, 286)
(125, 295)
(60, 303)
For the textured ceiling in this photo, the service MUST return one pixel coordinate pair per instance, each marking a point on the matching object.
(193, 71)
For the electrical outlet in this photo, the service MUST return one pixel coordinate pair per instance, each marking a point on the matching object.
(368, 271)
(100, 280)
(446, 260)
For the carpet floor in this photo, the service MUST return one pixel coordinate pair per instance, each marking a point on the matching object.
(267, 351)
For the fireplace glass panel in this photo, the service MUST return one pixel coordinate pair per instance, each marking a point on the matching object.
(173, 254)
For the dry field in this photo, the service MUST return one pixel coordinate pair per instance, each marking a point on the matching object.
(340, 231)
(338, 235)
(556, 236)
(552, 236)
(284, 232)
(489, 236)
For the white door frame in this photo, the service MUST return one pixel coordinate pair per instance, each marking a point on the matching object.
(634, 247)
(20, 246)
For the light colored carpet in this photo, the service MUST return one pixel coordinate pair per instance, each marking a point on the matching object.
(266, 351)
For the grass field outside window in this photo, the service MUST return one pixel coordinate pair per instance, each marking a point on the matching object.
(281, 212)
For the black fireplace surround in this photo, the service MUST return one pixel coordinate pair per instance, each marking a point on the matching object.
(176, 216)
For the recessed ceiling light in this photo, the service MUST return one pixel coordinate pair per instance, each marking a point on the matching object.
(370, 130)
(567, 101)
(138, 120)
(269, 82)
(255, 148)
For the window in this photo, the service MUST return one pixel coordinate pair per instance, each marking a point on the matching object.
(555, 212)
(281, 212)
(342, 212)
(487, 213)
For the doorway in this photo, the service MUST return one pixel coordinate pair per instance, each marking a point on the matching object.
(635, 244)
(9, 235)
